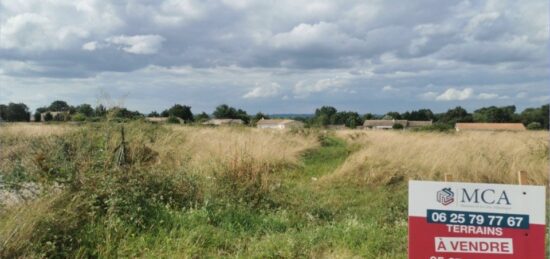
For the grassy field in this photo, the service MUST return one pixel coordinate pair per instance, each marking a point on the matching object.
(180, 191)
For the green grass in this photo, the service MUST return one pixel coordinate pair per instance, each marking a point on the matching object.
(112, 211)
(309, 220)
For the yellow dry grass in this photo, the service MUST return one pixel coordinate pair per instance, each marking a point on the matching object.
(204, 149)
(33, 129)
(490, 157)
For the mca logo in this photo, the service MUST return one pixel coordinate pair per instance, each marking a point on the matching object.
(445, 196)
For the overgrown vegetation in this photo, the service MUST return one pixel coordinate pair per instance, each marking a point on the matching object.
(180, 191)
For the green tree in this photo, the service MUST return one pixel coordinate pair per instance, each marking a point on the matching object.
(369, 116)
(224, 111)
(153, 114)
(420, 115)
(457, 114)
(325, 115)
(201, 117)
(100, 111)
(124, 113)
(37, 116)
(496, 114)
(539, 115)
(350, 119)
(181, 111)
(58, 106)
(258, 117)
(85, 109)
(15, 112)
(48, 116)
(393, 115)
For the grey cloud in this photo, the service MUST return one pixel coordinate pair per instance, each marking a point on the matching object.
(224, 45)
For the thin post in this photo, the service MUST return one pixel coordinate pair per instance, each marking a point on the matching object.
(522, 177)
(448, 177)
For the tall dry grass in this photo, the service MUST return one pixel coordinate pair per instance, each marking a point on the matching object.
(17, 141)
(205, 149)
(492, 157)
(25, 130)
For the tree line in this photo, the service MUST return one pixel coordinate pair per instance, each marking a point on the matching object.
(532, 118)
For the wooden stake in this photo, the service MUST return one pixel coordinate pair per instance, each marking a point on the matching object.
(448, 177)
(522, 178)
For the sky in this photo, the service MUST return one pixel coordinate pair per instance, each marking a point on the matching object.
(276, 56)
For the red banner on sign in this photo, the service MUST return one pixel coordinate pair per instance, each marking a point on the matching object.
(441, 241)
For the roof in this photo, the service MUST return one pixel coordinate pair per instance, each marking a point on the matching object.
(387, 123)
(419, 123)
(54, 113)
(275, 121)
(223, 121)
(489, 126)
(162, 119)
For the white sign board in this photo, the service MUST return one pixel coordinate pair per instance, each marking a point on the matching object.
(471, 220)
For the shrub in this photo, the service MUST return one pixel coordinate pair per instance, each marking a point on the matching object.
(397, 126)
(37, 117)
(534, 126)
(173, 119)
(48, 117)
(79, 117)
(437, 127)
(93, 191)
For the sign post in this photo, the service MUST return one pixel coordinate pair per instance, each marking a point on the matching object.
(452, 220)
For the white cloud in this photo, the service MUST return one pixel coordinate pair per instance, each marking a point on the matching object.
(487, 96)
(521, 95)
(453, 94)
(138, 44)
(389, 88)
(35, 26)
(323, 34)
(303, 88)
(266, 90)
(91, 46)
(428, 95)
(24, 31)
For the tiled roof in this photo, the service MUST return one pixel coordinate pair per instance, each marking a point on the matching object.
(274, 121)
(489, 126)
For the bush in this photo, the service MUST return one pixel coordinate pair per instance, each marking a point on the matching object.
(79, 117)
(48, 117)
(37, 117)
(93, 193)
(534, 126)
(397, 126)
(436, 127)
(173, 120)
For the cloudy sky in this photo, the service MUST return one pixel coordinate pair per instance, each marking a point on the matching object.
(276, 56)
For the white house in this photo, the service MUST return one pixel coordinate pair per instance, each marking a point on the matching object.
(388, 124)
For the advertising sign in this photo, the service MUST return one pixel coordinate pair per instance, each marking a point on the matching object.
(452, 220)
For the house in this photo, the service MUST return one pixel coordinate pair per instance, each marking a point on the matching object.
(56, 116)
(388, 124)
(383, 124)
(490, 126)
(162, 119)
(219, 122)
(279, 124)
